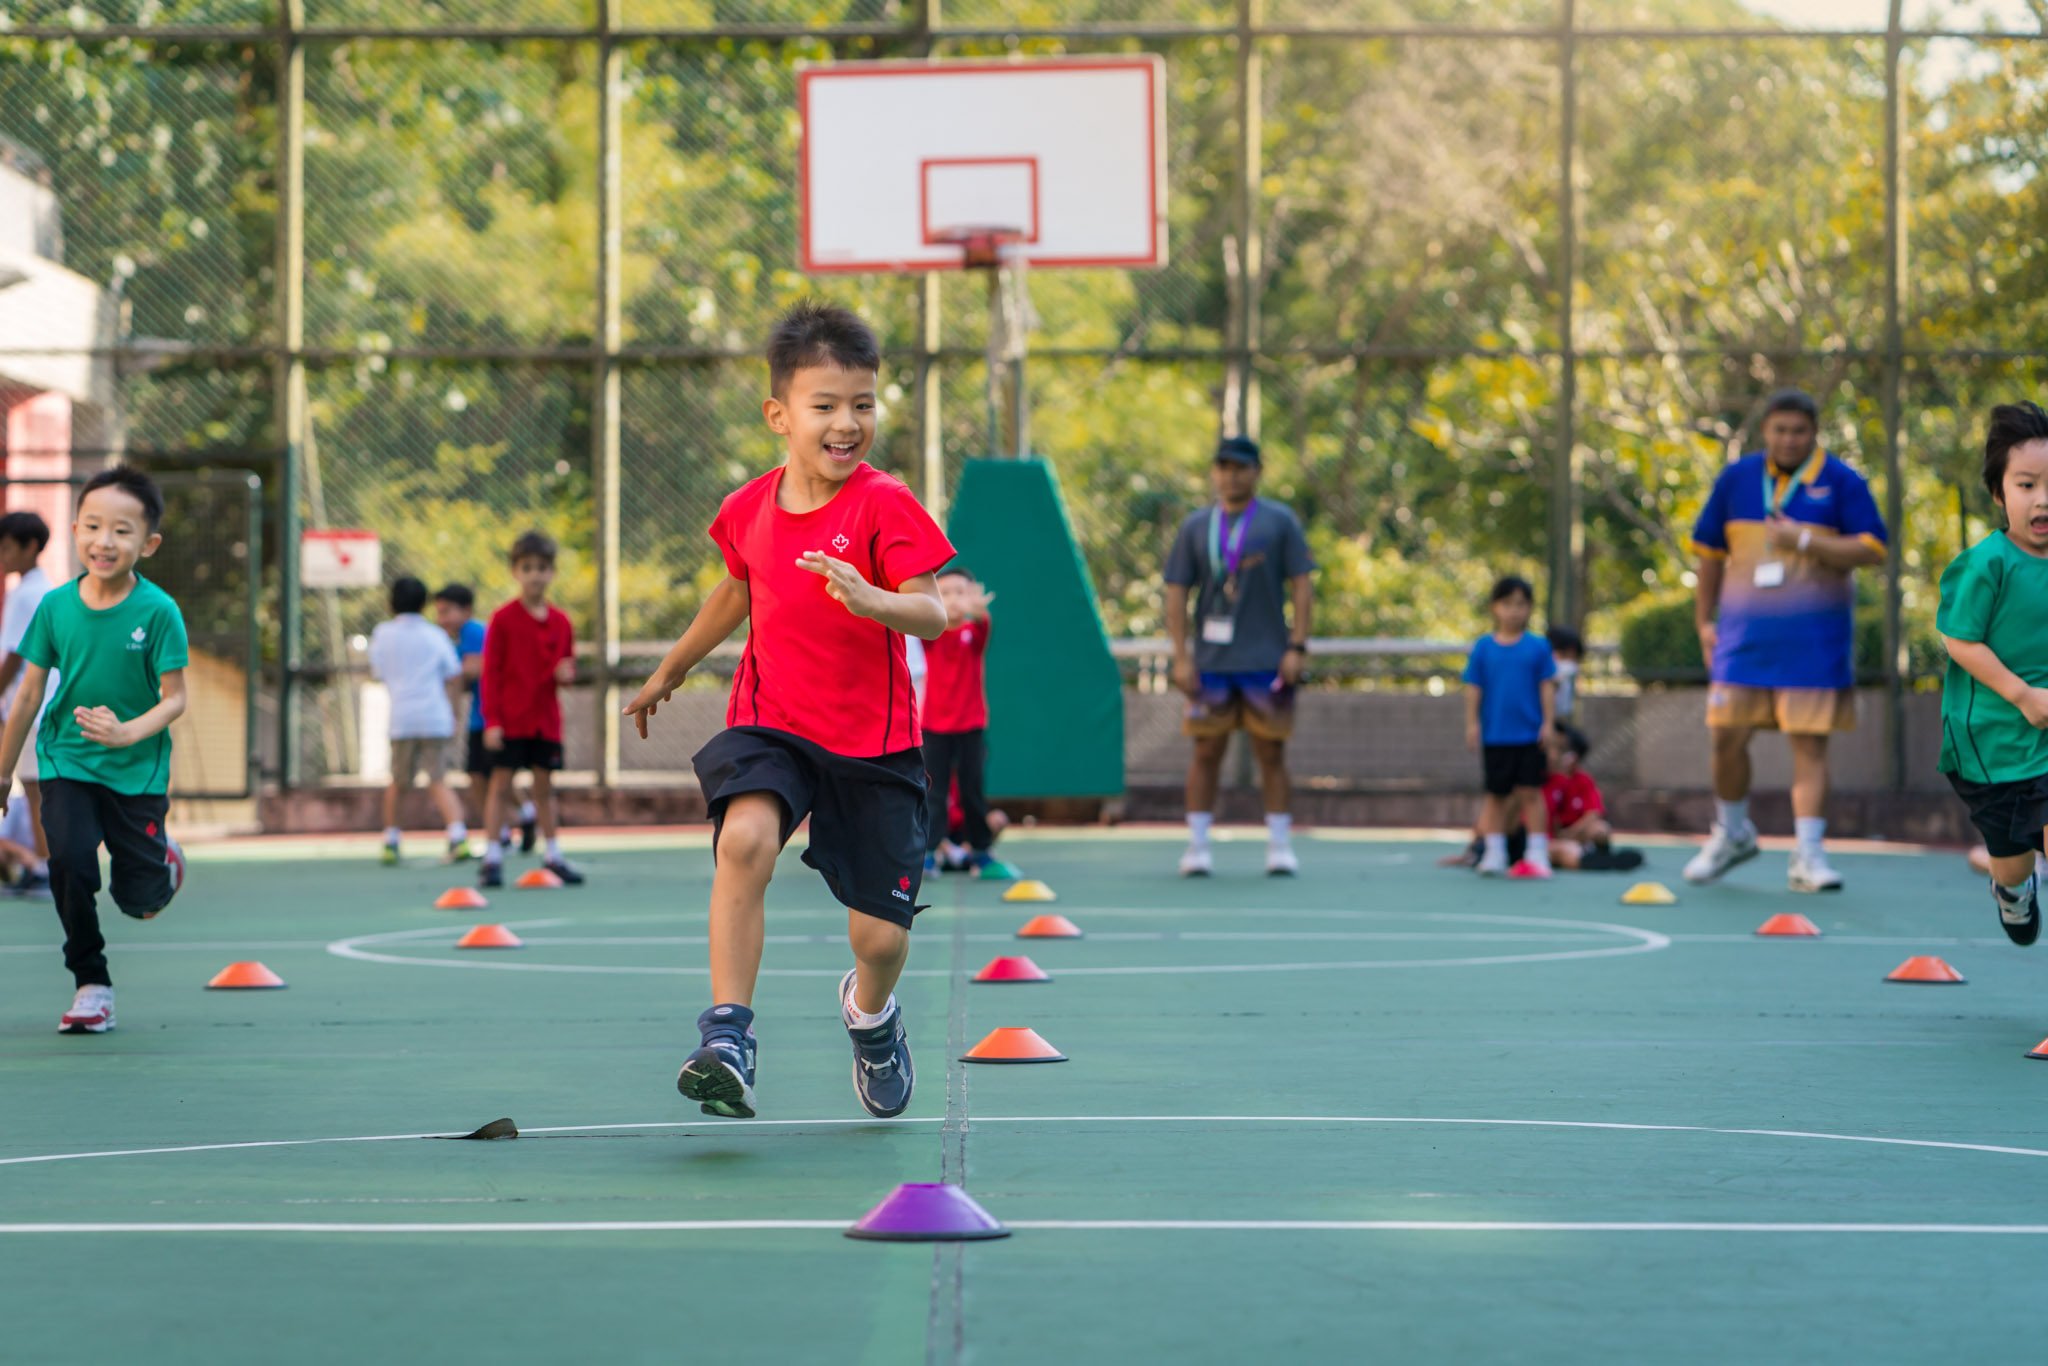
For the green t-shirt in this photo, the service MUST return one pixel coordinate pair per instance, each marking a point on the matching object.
(115, 659)
(1994, 594)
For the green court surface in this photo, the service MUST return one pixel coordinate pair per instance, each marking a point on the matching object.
(1381, 1112)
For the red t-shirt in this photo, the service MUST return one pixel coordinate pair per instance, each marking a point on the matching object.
(1571, 797)
(520, 655)
(956, 679)
(811, 667)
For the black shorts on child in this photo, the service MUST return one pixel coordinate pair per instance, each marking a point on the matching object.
(1511, 766)
(867, 815)
(532, 753)
(2008, 815)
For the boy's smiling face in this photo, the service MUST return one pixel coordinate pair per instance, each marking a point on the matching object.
(111, 532)
(2025, 496)
(826, 417)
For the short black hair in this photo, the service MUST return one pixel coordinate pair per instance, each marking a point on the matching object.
(1507, 585)
(26, 527)
(534, 545)
(136, 485)
(460, 594)
(815, 332)
(955, 568)
(1574, 739)
(2012, 424)
(1564, 640)
(1792, 401)
(408, 594)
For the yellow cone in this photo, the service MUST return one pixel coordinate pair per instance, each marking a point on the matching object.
(1648, 894)
(1031, 889)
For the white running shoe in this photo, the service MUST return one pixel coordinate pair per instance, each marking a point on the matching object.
(1810, 872)
(1280, 861)
(1721, 852)
(92, 1012)
(1492, 864)
(1196, 861)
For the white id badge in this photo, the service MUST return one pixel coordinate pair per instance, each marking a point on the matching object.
(1218, 630)
(1770, 574)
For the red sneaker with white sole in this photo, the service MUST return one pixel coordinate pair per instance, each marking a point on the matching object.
(92, 1012)
(1527, 871)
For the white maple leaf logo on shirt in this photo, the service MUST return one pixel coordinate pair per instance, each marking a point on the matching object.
(840, 542)
(140, 635)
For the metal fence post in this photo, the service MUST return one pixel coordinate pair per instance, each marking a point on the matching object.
(606, 399)
(290, 369)
(1567, 525)
(1894, 364)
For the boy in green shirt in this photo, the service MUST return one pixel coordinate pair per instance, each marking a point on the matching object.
(1994, 699)
(117, 644)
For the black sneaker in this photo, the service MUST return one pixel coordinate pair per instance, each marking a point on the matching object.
(2020, 916)
(564, 870)
(529, 831)
(1600, 860)
(33, 884)
(719, 1076)
(883, 1076)
(490, 875)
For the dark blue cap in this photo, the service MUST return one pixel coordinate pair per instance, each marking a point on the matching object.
(1240, 450)
(1793, 401)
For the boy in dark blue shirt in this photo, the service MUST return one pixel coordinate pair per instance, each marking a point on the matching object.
(1510, 701)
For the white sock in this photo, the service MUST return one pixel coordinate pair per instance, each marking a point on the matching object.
(1279, 825)
(505, 834)
(494, 853)
(457, 832)
(526, 812)
(856, 1018)
(1733, 816)
(1198, 828)
(1539, 850)
(554, 851)
(1808, 830)
(1496, 848)
(391, 835)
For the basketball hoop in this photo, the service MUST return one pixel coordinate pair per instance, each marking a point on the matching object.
(981, 248)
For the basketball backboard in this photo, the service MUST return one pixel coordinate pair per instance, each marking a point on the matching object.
(901, 160)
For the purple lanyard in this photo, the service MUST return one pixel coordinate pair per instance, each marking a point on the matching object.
(1226, 549)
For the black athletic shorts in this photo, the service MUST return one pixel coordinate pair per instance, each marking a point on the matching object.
(475, 758)
(530, 753)
(867, 815)
(1511, 766)
(2008, 815)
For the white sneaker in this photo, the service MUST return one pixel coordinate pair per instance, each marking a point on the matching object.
(1280, 861)
(1492, 864)
(1809, 872)
(1196, 861)
(1721, 852)
(92, 1012)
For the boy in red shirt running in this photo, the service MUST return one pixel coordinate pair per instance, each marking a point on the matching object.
(830, 563)
(956, 728)
(529, 652)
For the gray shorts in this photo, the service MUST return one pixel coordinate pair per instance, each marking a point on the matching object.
(410, 758)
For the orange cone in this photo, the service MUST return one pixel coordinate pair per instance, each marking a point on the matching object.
(245, 977)
(1924, 969)
(1012, 970)
(1789, 924)
(460, 899)
(535, 879)
(1013, 1045)
(1049, 927)
(489, 937)
(2040, 1051)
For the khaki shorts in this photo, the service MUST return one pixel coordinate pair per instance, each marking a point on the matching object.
(410, 758)
(1242, 701)
(1795, 711)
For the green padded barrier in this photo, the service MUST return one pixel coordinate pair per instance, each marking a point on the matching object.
(1055, 699)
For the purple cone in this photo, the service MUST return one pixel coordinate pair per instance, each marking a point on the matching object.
(927, 1212)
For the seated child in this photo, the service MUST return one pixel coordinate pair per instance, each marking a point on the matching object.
(1579, 834)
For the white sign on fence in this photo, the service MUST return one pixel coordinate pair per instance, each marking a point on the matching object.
(341, 559)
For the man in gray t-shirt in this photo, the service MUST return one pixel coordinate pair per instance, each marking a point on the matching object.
(1246, 559)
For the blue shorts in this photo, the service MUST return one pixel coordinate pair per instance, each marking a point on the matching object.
(1256, 701)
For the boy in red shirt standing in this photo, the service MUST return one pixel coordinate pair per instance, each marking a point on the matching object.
(956, 727)
(830, 563)
(529, 652)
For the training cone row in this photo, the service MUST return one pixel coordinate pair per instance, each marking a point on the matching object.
(1927, 969)
(460, 899)
(489, 937)
(1789, 926)
(245, 977)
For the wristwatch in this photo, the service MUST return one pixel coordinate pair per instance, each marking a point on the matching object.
(1300, 645)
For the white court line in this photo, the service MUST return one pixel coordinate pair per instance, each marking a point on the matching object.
(189, 946)
(732, 1125)
(1058, 1225)
(1642, 941)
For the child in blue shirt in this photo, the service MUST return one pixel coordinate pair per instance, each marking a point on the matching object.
(1510, 702)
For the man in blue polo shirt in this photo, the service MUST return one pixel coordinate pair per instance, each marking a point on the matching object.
(1778, 540)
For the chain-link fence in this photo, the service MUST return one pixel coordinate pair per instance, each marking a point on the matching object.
(1498, 286)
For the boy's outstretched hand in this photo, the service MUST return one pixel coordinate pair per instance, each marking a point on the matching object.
(651, 695)
(843, 582)
(101, 726)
